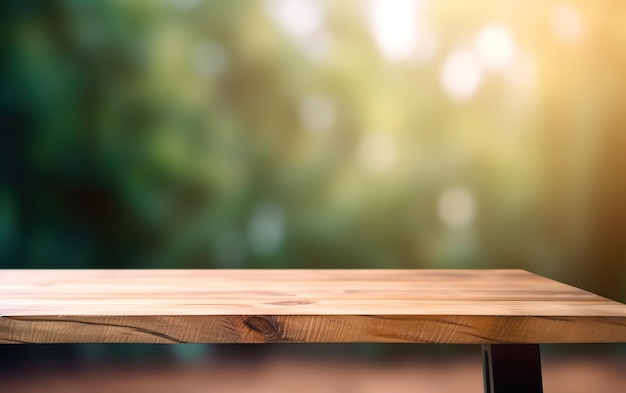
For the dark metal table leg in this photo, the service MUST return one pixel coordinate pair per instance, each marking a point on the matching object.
(512, 368)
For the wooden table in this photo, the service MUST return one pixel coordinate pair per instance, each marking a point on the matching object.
(508, 312)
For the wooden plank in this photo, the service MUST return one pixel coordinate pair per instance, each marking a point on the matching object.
(256, 306)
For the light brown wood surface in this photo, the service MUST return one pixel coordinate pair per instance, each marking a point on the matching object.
(258, 306)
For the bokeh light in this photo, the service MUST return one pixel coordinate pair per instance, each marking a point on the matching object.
(456, 207)
(495, 46)
(461, 74)
(377, 152)
(567, 22)
(317, 112)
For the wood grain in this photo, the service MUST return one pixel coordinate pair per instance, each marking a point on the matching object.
(259, 306)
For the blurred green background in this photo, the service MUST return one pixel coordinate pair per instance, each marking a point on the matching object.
(315, 134)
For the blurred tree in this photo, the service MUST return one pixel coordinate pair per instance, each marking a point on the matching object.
(302, 133)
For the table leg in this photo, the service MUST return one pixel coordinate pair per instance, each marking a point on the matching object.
(512, 368)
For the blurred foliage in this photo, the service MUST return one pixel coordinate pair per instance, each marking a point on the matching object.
(301, 133)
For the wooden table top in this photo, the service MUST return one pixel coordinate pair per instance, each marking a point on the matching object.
(257, 306)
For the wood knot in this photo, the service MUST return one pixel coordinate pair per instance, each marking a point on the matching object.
(266, 325)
